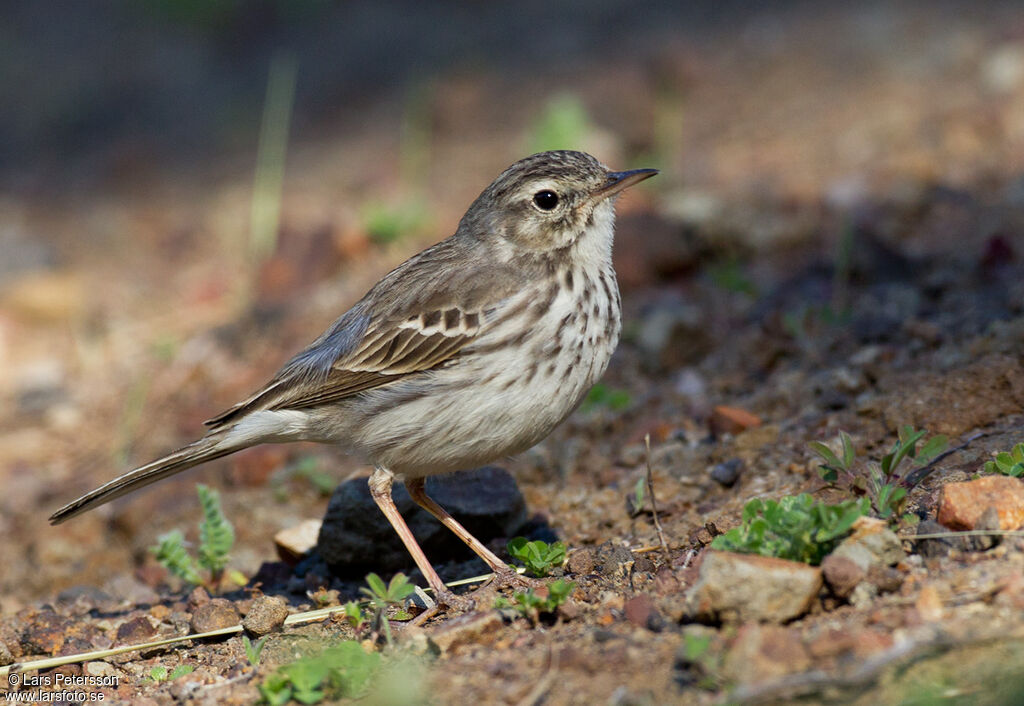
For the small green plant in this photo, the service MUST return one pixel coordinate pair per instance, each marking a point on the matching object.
(884, 482)
(532, 606)
(601, 395)
(159, 674)
(216, 535)
(173, 556)
(638, 498)
(1009, 463)
(537, 556)
(354, 615)
(216, 538)
(342, 671)
(253, 650)
(795, 527)
(381, 597)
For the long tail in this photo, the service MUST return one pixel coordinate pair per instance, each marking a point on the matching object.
(211, 446)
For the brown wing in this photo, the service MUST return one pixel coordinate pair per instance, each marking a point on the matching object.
(386, 351)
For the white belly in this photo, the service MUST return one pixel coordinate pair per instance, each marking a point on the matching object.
(497, 400)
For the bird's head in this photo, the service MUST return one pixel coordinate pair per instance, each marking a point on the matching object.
(550, 200)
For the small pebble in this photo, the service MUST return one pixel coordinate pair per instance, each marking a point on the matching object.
(266, 615)
(727, 472)
(215, 614)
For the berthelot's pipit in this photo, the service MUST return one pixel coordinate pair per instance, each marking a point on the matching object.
(474, 349)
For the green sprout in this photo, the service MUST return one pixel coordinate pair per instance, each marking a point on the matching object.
(253, 650)
(537, 556)
(383, 596)
(532, 606)
(885, 482)
(159, 674)
(216, 539)
(1009, 463)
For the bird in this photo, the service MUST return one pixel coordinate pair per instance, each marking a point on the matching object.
(470, 351)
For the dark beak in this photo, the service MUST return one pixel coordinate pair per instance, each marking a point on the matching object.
(617, 181)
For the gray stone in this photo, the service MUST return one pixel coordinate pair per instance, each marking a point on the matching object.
(727, 472)
(937, 547)
(355, 536)
(742, 587)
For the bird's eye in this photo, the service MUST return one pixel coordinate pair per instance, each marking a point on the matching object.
(545, 200)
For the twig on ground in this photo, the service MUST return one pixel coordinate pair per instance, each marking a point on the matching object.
(294, 619)
(654, 506)
(963, 533)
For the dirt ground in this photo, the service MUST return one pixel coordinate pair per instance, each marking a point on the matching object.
(834, 243)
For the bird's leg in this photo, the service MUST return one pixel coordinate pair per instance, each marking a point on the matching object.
(504, 574)
(380, 490)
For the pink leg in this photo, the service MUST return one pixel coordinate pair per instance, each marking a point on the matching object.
(504, 574)
(380, 490)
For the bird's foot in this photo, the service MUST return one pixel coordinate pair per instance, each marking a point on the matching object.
(445, 599)
(508, 578)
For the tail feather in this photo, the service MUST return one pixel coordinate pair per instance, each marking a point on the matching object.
(206, 449)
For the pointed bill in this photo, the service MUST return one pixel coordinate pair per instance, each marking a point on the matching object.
(617, 181)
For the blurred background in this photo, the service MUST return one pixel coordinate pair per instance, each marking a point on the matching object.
(190, 191)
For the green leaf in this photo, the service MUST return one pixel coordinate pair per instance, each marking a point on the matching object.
(639, 494)
(354, 615)
(795, 527)
(904, 447)
(216, 535)
(530, 605)
(831, 460)
(932, 448)
(253, 651)
(180, 671)
(399, 589)
(170, 551)
(377, 589)
(1018, 453)
(848, 454)
(537, 556)
(276, 689)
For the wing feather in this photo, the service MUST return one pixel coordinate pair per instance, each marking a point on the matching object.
(388, 351)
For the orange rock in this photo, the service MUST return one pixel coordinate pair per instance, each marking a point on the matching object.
(962, 504)
(732, 420)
